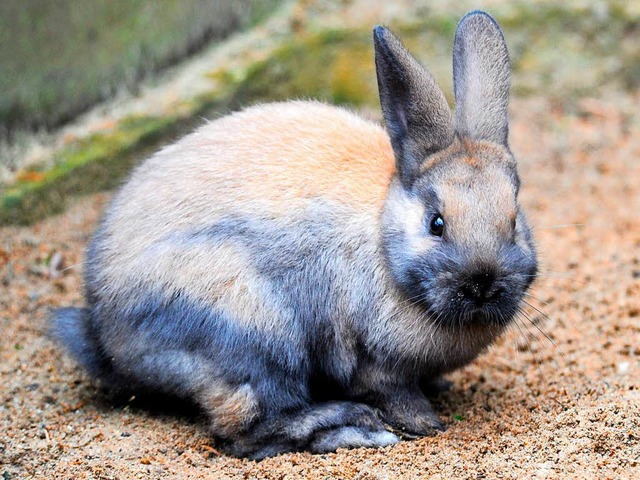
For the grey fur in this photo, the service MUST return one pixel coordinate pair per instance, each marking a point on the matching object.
(415, 110)
(257, 267)
(481, 79)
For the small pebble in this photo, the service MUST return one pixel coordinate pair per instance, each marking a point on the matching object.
(623, 368)
(56, 265)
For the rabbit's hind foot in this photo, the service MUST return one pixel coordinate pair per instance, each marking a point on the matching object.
(320, 428)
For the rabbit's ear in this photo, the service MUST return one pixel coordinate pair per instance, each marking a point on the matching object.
(481, 77)
(416, 114)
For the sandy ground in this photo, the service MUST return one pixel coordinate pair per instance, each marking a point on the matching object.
(557, 397)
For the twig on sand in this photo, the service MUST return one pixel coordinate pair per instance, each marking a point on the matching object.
(81, 445)
(210, 449)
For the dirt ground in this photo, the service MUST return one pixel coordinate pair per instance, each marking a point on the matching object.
(557, 397)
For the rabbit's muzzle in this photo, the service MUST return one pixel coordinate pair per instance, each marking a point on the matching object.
(480, 287)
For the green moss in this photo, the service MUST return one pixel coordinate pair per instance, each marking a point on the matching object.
(337, 66)
(95, 163)
(556, 50)
(334, 66)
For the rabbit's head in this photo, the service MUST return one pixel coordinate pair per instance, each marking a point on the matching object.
(454, 236)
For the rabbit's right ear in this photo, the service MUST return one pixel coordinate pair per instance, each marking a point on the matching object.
(416, 113)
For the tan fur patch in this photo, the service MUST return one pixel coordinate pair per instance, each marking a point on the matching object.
(295, 151)
(484, 152)
(471, 161)
(271, 160)
(231, 409)
(476, 191)
(475, 153)
(477, 209)
(437, 158)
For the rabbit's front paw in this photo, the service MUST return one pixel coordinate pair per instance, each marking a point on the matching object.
(351, 437)
(410, 414)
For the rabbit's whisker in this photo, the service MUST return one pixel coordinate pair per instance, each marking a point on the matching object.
(522, 334)
(565, 225)
(535, 324)
(536, 359)
(537, 299)
(70, 267)
(538, 327)
(540, 275)
(538, 310)
(558, 349)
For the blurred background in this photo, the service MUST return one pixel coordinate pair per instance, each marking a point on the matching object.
(87, 89)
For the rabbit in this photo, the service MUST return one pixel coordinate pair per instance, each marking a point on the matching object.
(303, 275)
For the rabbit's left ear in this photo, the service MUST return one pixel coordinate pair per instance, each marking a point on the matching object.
(481, 78)
(416, 113)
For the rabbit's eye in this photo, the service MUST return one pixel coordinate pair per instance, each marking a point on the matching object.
(436, 226)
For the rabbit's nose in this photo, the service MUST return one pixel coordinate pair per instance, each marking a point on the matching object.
(479, 287)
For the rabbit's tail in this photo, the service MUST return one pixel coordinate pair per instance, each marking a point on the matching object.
(71, 328)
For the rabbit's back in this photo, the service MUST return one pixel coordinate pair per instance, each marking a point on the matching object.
(269, 161)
